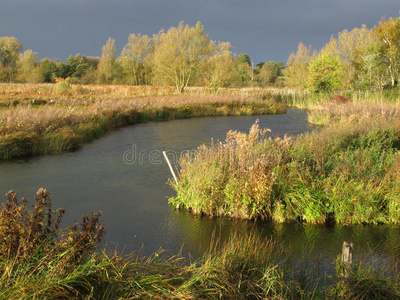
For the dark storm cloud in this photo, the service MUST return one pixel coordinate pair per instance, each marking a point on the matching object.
(264, 29)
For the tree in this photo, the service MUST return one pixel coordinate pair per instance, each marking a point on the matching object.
(270, 72)
(219, 68)
(77, 66)
(28, 68)
(136, 58)
(387, 34)
(61, 69)
(346, 47)
(258, 68)
(243, 58)
(105, 69)
(325, 73)
(296, 72)
(48, 70)
(9, 55)
(370, 71)
(244, 70)
(178, 54)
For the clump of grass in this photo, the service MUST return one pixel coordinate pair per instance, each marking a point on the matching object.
(347, 173)
(19, 144)
(62, 139)
(36, 257)
(366, 282)
(63, 87)
(233, 178)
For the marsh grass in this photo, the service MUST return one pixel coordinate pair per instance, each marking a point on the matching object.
(38, 260)
(366, 282)
(64, 122)
(347, 173)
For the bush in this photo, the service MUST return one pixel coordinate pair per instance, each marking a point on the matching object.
(25, 232)
(63, 87)
(325, 74)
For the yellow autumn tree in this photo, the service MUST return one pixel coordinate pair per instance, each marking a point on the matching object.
(178, 54)
(136, 59)
(296, 72)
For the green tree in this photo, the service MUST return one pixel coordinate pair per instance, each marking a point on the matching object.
(136, 59)
(258, 68)
(371, 73)
(9, 55)
(346, 47)
(220, 67)
(244, 70)
(28, 68)
(61, 69)
(270, 72)
(107, 64)
(77, 66)
(296, 72)
(387, 34)
(48, 69)
(178, 54)
(325, 73)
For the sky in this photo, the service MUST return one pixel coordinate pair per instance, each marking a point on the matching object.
(267, 30)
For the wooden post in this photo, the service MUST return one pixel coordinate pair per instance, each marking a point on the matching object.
(170, 167)
(347, 258)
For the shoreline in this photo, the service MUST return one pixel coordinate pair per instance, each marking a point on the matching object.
(58, 123)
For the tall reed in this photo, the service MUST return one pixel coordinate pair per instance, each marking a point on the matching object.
(346, 172)
(38, 260)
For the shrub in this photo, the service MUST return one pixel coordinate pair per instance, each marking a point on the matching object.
(25, 232)
(63, 87)
(325, 73)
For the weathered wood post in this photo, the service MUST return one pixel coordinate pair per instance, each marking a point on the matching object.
(347, 258)
(170, 167)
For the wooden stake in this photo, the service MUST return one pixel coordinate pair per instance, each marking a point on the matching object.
(347, 257)
(170, 167)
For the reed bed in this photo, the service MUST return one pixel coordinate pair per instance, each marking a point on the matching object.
(55, 123)
(38, 260)
(347, 173)
(332, 112)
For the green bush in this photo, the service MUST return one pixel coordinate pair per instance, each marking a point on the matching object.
(63, 87)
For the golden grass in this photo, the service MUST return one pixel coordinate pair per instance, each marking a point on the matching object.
(47, 91)
(331, 112)
(90, 111)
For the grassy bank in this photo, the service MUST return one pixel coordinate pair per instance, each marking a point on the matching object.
(346, 172)
(40, 261)
(39, 119)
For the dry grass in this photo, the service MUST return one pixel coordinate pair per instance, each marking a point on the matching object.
(71, 112)
(331, 112)
(61, 118)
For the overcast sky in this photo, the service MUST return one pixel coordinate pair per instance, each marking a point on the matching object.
(264, 29)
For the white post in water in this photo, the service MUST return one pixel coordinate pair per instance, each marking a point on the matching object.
(347, 257)
(170, 167)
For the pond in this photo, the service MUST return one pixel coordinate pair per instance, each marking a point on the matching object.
(125, 176)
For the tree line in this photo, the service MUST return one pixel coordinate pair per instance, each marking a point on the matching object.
(182, 56)
(358, 59)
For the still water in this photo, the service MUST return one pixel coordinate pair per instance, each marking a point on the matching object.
(124, 176)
